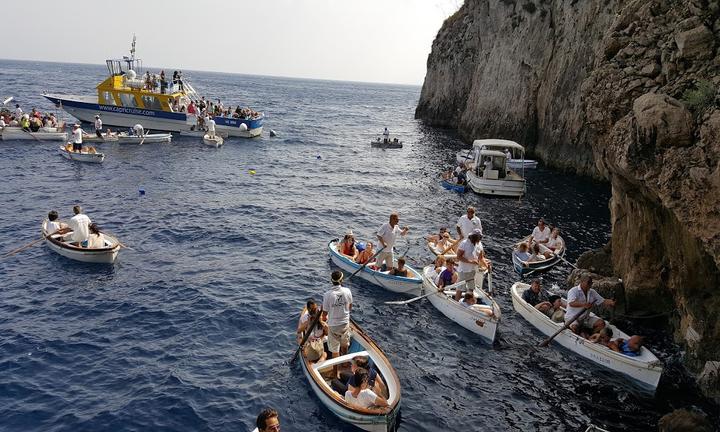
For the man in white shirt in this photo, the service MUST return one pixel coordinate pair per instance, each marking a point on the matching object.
(80, 225)
(541, 233)
(337, 304)
(77, 138)
(98, 127)
(470, 256)
(211, 127)
(580, 298)
(53, 225)
(138, 129)
(18, 111)
(362, 396)
(386, 135)
(387, 235)
(468, 223)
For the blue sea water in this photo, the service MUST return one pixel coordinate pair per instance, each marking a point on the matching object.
(192, 328)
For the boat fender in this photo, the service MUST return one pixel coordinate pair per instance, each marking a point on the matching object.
(252, 172)
(243, 127)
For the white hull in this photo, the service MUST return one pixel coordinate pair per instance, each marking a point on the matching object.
(213, 142)
(83, 156)
(398, 284)
(478, 322)
(97, 139)
(124, 138)
(462, 157)
(200, 133)
(149, 123)
(16, 133)
(508, 187)
(361, 418)
(646, 368)
(98, 256)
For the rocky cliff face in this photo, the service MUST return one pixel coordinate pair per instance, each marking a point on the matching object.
(601, 87)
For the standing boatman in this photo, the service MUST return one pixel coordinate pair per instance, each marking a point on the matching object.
(386, 135)
(77, 138)
(98, 127)
(211, 127)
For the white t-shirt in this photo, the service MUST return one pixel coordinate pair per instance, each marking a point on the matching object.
(472, 252)
(211, 125)
(576, 294)
(18, 112)
(365, 399)
(96, 241)
(467, 226)
(317, 332)
(2, 122)
(389, 235)
(543, 235)
(336, 302)
(52, 226)
(555, 243)
(138, 129)
(98, 124)
(79, 224)
(77, 136)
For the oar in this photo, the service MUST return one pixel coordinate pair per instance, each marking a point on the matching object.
(567, 262)
(403, 302)
(308, 332)
(547, 341)
(143, 138)
(450, 247)
(368, 262)
(34, 242)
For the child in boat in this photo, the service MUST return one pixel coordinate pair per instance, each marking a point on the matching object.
(400, 270)
(362, 396)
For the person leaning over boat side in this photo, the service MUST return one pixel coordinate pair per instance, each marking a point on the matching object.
(268, 421)
(138, 130)
(387, 235)
(80, 225)
(468, 223)
(77, 134)
(540, 234)
(580, 298)
(470, 255)
(314, 348)
(362, 396)
(337, 304)
(53, 225)
(96, 239)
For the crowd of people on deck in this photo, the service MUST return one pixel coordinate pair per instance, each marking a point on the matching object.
(79, 231)
(29, 122)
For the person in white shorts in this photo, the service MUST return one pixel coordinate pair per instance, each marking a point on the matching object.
(470, 256)
(387, 235)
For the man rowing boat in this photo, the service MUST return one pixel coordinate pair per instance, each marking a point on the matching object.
(580, 298)
(387, 235)
(470, 255)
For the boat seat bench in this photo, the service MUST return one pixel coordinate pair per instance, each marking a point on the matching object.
(338, 360)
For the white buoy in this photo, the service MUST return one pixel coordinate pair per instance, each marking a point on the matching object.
(243, 127)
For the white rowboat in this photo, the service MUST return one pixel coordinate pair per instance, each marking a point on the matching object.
(410, 285)
(215, 141)
(531, 267)
(124, 138)
(96, 139)
(481, 319)
(645, 368)
(104, 255)
(83, 156)
(44, 134)
(373, 420)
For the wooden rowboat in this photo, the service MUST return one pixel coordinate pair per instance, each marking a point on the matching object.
(481, 319)
(215, 141)
(374, 420)
(536, 266)
(410, 285)
(646, 369)
(105, 255)
(455, 187)
(83, 156)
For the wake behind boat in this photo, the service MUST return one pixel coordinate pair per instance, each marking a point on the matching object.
(645, 368)
(410, 285)
(127, 97)
(373, 420)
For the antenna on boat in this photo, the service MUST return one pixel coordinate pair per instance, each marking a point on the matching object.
(132, 48)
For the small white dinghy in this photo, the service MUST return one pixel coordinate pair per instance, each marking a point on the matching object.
(201, 133)
(215, 141)
(373, 420)
(43, 134)
(410, 285)
(87, 155)
(113, 137)
(124, 138)
(482, 318)
(645, 368)
(105, 255)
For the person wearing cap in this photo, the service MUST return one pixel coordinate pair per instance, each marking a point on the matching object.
(337, 304)
(98, 127)
(540, 234)
(80, 225)
(346, 246)
(387, 235)
(581, 298)
(470, 256)
(77, 138)
(468, 223)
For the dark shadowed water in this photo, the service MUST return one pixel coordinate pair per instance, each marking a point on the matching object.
(192, 328)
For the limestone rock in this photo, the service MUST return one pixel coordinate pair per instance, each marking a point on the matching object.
(663, 119)
(682, 420)
(695, 43)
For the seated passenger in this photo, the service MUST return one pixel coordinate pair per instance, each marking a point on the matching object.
(96, 239)
(346, 381)
(630, 347)
(536, 255)
(365, 255)
(536, 297)
(468, 300)
(362, 396)
(602, 337)
(446, 244)
(556, 312)
(53, 224)
(347, 246)
(555, 243)
(400, 270)
(314, 348)
(438, 267)
(434, 238)
(522, 253)
(448, 276)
